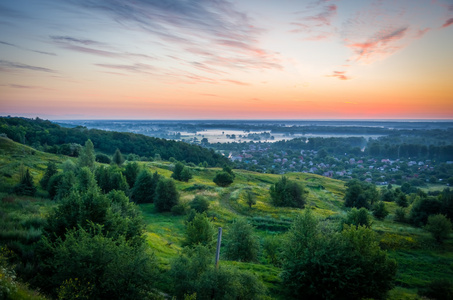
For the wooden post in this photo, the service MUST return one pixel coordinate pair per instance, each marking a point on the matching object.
(219, 241)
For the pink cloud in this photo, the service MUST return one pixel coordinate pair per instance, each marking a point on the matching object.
(447, 23)
(316, 26)
(382, 44)
(340, 75)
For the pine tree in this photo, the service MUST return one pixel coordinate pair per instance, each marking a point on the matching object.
(87, 156)
(145, 187)
(118, 158)
(26, 186)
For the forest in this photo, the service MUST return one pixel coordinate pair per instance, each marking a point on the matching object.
(100, 224)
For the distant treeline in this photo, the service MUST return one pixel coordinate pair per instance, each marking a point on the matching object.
(44, 134)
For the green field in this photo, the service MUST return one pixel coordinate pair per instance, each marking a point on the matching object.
(419, 258)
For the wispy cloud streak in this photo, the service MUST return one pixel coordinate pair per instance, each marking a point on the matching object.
(5, 65)
(447, 23)
(340, 75)
(26, 49)
(193, 24)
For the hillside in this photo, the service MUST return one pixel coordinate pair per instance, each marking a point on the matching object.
(419, 259)
(51, 137)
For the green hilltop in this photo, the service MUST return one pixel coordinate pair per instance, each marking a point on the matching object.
(419, 259)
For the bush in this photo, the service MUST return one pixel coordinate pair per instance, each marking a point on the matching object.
(358, 217)
(194, 273)
(223, 179)
(288, 193)
(200, 204)
(439, 227)
(379, 210)
(357, 268)
(242, 244)
(400, 215)
(439, 289)
(104, 266)
(199, 231)
(103, 158)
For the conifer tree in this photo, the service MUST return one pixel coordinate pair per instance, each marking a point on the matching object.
(87, 156)
(118, 158)
(26, 186)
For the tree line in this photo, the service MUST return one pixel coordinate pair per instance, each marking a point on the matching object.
(51, 137)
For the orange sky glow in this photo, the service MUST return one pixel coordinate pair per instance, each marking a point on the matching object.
(227, 59)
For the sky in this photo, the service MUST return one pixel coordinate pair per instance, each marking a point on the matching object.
(216, 59)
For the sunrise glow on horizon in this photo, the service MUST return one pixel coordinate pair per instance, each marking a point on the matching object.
(205, 59)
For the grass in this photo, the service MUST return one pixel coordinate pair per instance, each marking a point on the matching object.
(420, 259)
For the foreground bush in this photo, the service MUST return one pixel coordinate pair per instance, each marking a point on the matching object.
(334, 265)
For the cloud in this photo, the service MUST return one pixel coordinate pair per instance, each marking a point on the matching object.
(383, 43)
(316, 21)
(448, 22)
(194, 24)
(340, 75)
(6, 65)
(70, 40)
(236, 82)
(88, 46)
(135, 68)
(26, 49)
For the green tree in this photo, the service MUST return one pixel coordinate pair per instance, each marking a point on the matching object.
(242, 243)
(288, 193)
(105, 267)
(200, 204)
(380, 211)
(118, 158)
(85, 180)
(194, 273)
(186, 174)
(360, 194)
(145, 187)
(179, 166)
(358, 217)
(400, 215)
(50, 171)
(103, 158)
(439, 226)
(250, 199)
(401, 200)
(199, 231)
(87, 156)
(355, 265)
(166, 195)
(223, 179)
(26, 185)
(131, 172)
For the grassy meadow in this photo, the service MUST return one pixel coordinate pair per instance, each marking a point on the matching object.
(419, 258)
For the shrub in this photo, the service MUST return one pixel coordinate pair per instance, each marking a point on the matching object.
(103, 158)
(379, 210)
(288, 193)
(358, 217)
(199, 231)
(439, 289)
(223, 179)
(242, 244)
(200, 204)
(439, 227)
(357, 268)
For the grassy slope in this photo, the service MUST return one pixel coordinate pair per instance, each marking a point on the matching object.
(420, 260)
